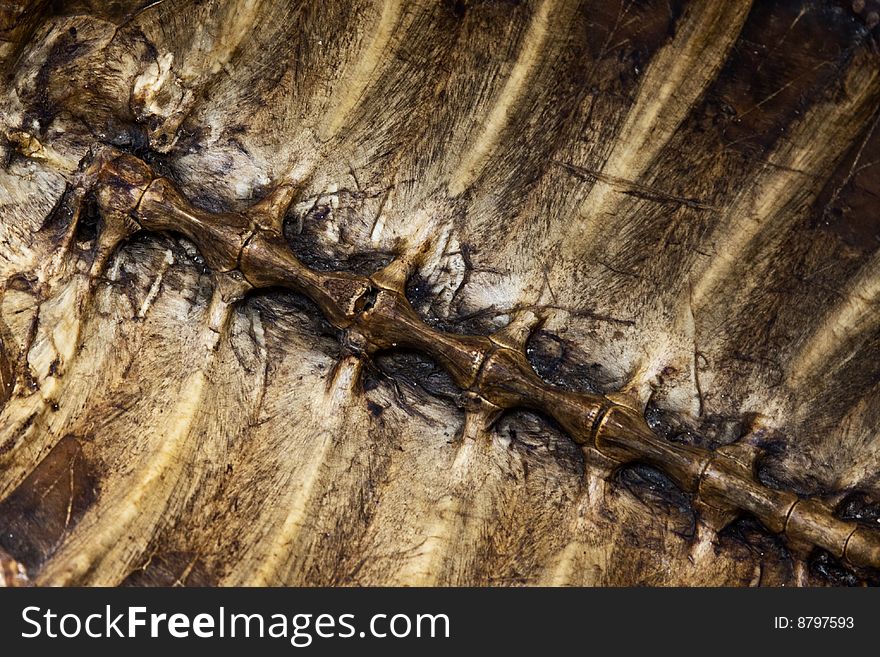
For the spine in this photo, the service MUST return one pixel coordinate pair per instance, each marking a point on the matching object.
(492, 370)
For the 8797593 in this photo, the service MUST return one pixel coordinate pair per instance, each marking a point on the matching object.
(814, 622)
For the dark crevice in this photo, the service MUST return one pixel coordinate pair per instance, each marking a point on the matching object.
(857, 506)
(62, 212)
(418, 371)
(540, 438)
(277, 306)
(748, 531)
(771, 473)
(421, 296)
(709, 431)
(302, 229)
(560, 362)
(658, 491)
(825, 567)
(88, 223)
(133, 138)
(367, 300)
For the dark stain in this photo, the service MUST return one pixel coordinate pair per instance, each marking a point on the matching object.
(710, 431)
(457, 7)
(859, 507)
(539, 438)
(561, 362)
(546, 352)
(371, 379)
(39, 103)
(847, 205)
(303, 231)
(18, 23)
(62, 212)
(867, 11)
(657, 491)
(46, 506)
(314, 256)
(787, 56)
(748, 532)
(14, 438)
(418, 292)
(829, 570)
(88, 224)
(191, 138)
(633, 39)
(129, 137)
(280, 307)
(417, 371)
(171, 569)
(7, 370)
(772, 471)
(133, 138)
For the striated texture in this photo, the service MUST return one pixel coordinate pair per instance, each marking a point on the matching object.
(439, 293)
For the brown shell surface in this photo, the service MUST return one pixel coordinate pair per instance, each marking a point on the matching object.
(439, 293)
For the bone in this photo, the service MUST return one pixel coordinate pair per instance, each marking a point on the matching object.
(493, 371)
